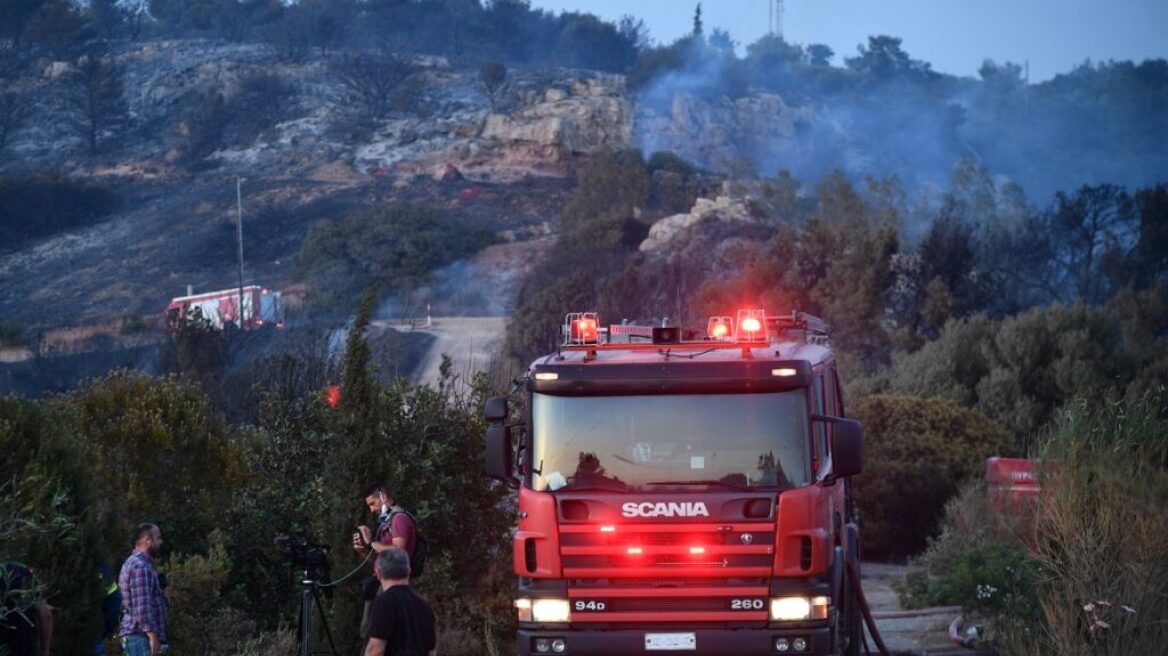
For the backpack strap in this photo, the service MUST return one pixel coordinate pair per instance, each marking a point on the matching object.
(398, 510)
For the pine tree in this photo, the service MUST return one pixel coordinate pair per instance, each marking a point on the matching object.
(697, 23)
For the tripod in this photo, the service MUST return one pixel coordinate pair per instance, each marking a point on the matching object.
(310, 595)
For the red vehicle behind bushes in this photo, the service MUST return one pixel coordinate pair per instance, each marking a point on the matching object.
(260, 307)
(683, 495)
(1013, 491)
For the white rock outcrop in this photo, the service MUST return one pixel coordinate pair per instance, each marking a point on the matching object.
(722, 208)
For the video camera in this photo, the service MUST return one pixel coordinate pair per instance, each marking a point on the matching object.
(312, 557)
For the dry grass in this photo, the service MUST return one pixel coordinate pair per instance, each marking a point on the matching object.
(1103, 586)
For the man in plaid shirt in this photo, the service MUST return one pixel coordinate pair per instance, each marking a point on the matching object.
(143, 627)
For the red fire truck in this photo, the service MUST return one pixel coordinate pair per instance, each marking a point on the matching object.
(261, 307)
(683, 495)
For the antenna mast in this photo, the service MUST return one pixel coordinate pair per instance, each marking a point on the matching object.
(777, 19)
(239, 238)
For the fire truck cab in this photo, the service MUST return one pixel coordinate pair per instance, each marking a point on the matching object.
(683, 496)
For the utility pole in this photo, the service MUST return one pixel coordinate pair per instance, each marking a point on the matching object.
(239, 239)
(1026, 88)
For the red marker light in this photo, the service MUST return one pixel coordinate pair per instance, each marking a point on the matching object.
(636, 551)
(608, 529)
(719, 327)
(697, 551)
(584, 330)
(332, 396)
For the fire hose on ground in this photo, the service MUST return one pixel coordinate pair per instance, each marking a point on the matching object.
(858, 592)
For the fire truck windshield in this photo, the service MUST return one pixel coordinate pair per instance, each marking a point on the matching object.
(626, 442)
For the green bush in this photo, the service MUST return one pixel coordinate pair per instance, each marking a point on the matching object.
(1100, 528)
(162, 454)
(80, 470)
(132, 324)
(195, 582)
(664, 160)
(610, 187)
(51, 516)
(1020, 370)
(11, 333)
(917, 454)
(389, 250)
(41, 206)
(673, 193)
(1097, 579)
(973, 563)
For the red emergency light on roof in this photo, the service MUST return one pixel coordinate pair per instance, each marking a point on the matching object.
(751, 326)
(581, 328)
(719, 328)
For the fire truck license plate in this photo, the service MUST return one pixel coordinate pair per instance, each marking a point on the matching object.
(670, 641)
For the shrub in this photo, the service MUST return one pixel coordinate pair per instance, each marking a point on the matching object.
(51, 516)
(162, 454)
(41, 206)
(1097, 581)
(610, 187)
(1020, 370)
(918, 452)
(392, 249)
(969, 564)
(281, 642)
(195, 582)
(11, 333)
(132, 324)
(1100, 529)
(664, 160)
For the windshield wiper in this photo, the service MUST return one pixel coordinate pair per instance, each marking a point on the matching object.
(607, 486)
(701, 482)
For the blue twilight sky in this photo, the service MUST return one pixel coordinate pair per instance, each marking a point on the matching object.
(955, 36)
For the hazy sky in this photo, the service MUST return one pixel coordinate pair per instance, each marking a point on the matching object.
(955, 36)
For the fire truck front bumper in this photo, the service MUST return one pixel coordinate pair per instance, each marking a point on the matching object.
(706, 642)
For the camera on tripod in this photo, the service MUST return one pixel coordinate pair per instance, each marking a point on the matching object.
(311, 558)
(300, 553)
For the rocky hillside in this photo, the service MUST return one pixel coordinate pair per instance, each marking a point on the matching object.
(198, 116)
(201, 115)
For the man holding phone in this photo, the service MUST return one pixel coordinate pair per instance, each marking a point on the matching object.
(395, 528)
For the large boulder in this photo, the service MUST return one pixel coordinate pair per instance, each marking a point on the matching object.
(723, 209)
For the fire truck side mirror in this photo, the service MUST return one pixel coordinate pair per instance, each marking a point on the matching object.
(495, 409)
(847, 449)
(499, 451)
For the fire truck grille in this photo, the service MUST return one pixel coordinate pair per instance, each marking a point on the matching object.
(665, 539)
(664, 582)
(695, 551)
(693, 604)
(727, 564)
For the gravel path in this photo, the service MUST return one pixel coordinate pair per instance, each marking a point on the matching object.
(923, 632)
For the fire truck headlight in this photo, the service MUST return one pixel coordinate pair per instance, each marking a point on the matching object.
(796, 609)
(550, 610)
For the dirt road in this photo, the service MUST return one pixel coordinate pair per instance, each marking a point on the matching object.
(473, 344)
(923, 632)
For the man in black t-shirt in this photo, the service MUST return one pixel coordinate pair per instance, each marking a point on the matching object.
(401, 622)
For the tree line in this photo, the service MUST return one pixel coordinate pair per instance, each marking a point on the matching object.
(83, 468)
(963, 327)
